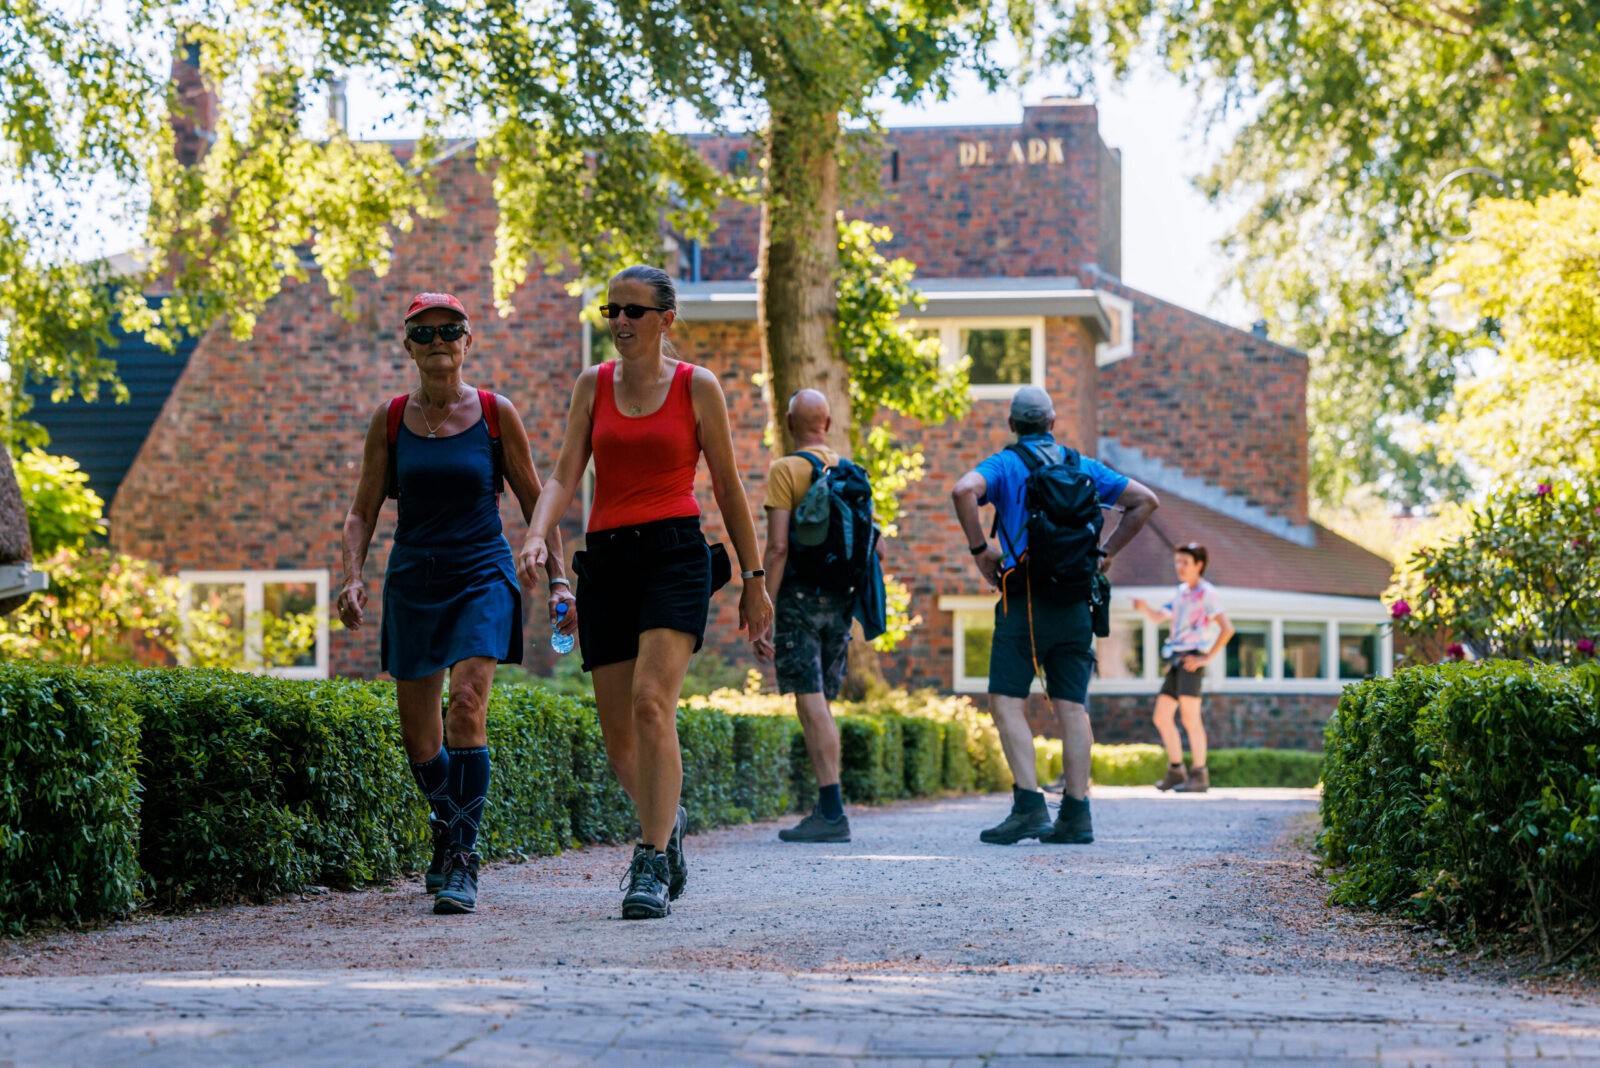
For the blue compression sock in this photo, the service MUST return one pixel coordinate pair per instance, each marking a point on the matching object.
(433, 778)
(469, 791)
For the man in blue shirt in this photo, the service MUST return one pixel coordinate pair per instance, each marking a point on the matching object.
(1035, 631)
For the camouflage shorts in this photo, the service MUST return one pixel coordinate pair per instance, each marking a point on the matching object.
(811, 633)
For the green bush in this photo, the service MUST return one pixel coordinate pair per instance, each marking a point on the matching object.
(957, 772)
(1263, 767)
(762, 776)
(1127, 765)
(1492, 773)
(69, 809)
(530, 743)
(706, 736)
(924, 756)
(871, 758)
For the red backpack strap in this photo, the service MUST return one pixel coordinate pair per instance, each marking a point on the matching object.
(491, 412)
(397, 415)
(491, 420)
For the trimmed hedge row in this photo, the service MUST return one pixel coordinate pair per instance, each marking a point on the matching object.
(1469, 795)
(1142, 765)
(254, 786)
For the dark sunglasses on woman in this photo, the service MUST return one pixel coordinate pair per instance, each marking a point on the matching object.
(632, 311)
(423, 335)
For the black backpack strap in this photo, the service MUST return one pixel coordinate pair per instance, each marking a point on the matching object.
(817, 466)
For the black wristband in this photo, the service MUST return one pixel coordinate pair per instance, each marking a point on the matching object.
(979, 550)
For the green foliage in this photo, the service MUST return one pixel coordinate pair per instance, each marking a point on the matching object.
(101, 608)
(1353, 112)
(63, 512)
(1526, 279)
(1470, 795)
(69, 803)
(1521, 580)
(924, 756)
(1143, 765)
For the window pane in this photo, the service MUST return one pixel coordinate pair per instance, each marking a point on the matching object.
(1000, 357)
(214, 630)
(1358, 651)
(289, 624)
(976, 634)
(1302, 651)
(1120, 655)
(1247, 651)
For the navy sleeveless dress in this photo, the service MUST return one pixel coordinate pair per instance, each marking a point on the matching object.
(450, 591)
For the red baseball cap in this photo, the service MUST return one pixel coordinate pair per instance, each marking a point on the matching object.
(423, 301)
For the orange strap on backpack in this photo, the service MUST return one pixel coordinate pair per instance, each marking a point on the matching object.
(491, 418)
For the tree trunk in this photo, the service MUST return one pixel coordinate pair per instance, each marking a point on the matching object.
(796, 305)
(796, 295)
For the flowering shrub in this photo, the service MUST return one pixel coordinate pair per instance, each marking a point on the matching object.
(101, 608)
(1521, 581)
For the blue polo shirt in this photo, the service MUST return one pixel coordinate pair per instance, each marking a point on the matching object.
(1005, 478)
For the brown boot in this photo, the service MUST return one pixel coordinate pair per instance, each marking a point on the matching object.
(1198, 783)
(1175, 776)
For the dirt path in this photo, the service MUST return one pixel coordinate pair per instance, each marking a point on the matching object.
(1193, 928)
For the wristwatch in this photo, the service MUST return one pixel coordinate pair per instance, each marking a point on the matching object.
(979, 550)
(755, 573)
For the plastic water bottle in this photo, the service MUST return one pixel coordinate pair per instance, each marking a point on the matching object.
(561, 643)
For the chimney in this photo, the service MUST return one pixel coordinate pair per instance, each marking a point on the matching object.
(194, 110)
(338, 106)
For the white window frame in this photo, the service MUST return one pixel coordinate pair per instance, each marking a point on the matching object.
(949, 331)
(1277, 607)
(255, 583)
(1121, 346)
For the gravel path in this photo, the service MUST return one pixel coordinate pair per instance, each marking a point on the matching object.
(1193, 929)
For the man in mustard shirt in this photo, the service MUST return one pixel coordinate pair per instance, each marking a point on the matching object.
(813, 604)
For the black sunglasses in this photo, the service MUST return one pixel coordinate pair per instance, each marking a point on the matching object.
(632, 311)
(423, 335)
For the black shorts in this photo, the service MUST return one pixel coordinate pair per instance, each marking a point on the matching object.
(811, 636)
(633, 579)
(1059, 634)
(1179, 681)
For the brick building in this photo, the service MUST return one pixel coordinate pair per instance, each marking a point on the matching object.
(243, 479)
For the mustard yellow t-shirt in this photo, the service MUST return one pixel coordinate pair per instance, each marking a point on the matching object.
(790, 477)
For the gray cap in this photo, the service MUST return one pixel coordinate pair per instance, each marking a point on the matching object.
(1030, 404)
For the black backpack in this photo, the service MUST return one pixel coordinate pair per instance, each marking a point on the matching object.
(1064, 522)
(830, 530)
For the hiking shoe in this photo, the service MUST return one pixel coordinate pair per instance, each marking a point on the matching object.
(817, 828)
(1017, 826)
(433, 878)
(1199, 782)
(647, 880)
(459, 894)
(1175, 776)
(1072, 826)
(676, 865)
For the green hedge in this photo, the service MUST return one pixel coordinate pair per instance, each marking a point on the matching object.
(1143, 765)
(253, 787)
(69, 808)
(1469, 794)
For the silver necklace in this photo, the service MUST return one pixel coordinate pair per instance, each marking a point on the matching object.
(433, 431)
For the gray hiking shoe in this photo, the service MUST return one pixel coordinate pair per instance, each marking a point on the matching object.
(1072, 826)
(459, 894)
(676, 864)
(1021, 824)
(1175, 776)
(818, 828)
(1199, 782)
(646, 881)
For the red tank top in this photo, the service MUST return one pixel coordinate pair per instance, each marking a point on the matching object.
(643, 465)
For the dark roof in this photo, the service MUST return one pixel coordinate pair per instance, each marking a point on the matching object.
(1246, 556)
(105, 437)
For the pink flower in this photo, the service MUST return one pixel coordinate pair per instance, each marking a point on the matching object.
(1543, 489)
(1455, 652)
(1579, 542)
(1585, 646)
(1399, 610)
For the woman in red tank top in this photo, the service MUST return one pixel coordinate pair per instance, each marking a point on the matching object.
(646, 574)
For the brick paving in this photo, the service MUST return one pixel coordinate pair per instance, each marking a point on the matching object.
(1187, 935)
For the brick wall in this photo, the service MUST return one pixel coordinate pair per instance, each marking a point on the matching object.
(1217, 402)
(1037, 199)
(1233, 721)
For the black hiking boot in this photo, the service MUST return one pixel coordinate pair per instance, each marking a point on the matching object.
(1030, 817)
(433, 878)
(459, 895)
(647, 880)
(1072, 826)
(818, 828)
(676, 864)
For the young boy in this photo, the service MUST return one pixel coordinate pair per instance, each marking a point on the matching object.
(1195, 615)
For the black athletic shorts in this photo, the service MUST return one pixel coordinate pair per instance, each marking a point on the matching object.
(1179, 681)
(1059, 636)
(639, 578)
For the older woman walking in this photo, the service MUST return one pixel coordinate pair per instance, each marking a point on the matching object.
(450, 597)
(646, 575)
